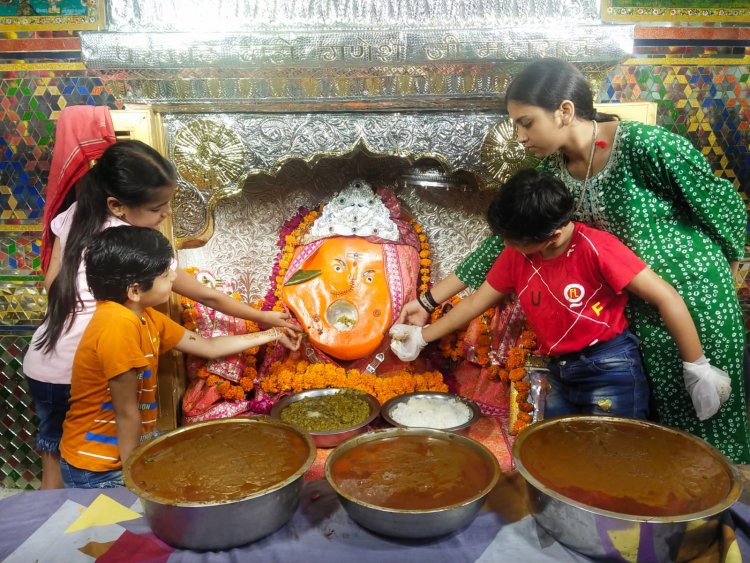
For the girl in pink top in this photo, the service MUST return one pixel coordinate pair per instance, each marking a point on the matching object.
(131, 184)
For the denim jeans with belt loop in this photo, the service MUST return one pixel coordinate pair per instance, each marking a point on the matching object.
(606, 378)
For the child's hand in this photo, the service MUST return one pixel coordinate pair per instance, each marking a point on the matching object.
(413, 314)
(279, 319)
(289, 338)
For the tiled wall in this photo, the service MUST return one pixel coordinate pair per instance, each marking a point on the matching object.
(698, 76)
(40, 73)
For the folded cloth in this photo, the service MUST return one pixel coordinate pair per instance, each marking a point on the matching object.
(82, 135)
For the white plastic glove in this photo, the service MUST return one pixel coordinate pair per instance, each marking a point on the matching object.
(407, 341)
(709, 387)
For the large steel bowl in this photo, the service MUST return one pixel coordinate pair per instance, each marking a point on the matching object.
(617, 536)
(413, 524)
(226, 523)
(439, 398)
(334, 437)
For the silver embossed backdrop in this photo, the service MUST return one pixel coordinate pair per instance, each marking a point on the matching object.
(252, 172)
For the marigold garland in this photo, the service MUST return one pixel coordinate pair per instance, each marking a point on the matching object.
(291, 376)
(452, 345)
(425, 260)
(290, 237)
(515, 373)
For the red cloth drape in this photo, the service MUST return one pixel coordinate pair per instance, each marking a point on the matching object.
(82, 135)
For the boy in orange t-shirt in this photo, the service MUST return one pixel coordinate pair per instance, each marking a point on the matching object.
(113, 390)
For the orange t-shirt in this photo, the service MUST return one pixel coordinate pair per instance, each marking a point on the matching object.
(114, 342)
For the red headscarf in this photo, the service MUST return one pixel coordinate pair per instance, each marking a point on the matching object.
(83, 133)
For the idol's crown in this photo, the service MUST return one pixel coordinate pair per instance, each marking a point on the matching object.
(354, 211)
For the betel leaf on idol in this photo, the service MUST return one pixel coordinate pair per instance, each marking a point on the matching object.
(301, 276)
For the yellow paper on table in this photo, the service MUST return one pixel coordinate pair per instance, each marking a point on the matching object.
(102, 512)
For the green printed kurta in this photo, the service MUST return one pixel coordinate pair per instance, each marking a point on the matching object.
(659, 196)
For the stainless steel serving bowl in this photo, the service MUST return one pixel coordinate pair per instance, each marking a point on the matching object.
(226, 523)
(387, 409)
(332, 438)
(615, 536)
(413, 524)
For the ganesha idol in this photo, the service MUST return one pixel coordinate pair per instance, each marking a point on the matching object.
(356, 266)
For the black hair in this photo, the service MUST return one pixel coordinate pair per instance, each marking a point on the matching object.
(133, 173)
(546, 83)
(119, 257)
(530, 207)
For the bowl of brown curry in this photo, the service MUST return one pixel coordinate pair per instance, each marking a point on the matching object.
(221, 483)
(591, 478)
(412, 482)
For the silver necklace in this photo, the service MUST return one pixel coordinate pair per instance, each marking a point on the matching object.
(585, 187)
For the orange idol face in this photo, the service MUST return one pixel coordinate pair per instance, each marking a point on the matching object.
(340, 295)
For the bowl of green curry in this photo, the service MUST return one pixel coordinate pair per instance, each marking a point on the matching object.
(329, 415)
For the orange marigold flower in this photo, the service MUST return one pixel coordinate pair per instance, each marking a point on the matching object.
(518, 426)
(483, 340)
(521, 397)
(525, 417)
(525, 407)
(522, 386)
(517, 374)
(213, 380)
(246, 383)
(502, 375)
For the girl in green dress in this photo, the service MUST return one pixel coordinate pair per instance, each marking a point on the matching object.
(655, 192)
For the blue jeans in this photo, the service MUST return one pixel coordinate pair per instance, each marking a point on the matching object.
(85, 479)
(606, 378)
(51, 406)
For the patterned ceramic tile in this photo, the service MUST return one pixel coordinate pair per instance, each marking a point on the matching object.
(708, 104)
(19, 252)
(29, 106)
(22, 304)
(20, 466)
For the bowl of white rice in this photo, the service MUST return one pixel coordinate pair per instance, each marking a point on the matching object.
(431, 409)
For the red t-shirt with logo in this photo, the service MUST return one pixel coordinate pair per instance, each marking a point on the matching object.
(573, 300)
